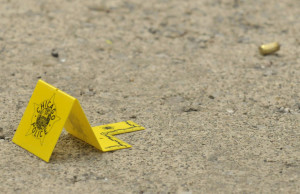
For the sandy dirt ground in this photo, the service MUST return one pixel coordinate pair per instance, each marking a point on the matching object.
(219, 117)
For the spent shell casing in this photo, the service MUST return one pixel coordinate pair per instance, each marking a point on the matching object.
(270, 48)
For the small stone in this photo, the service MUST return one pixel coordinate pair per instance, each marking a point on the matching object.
(132, 117)
(287, 110)
(230, 111)
(152, 30)
(100, 8)
(62, 60)
(101, 112)
(109, 42)
(190, 109)
(284, 110)
(54, 53)
(281, 109)
(211, 97)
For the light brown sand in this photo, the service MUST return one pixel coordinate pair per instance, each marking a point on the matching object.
(219, 117)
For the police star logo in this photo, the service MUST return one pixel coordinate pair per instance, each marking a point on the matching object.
(43, 119)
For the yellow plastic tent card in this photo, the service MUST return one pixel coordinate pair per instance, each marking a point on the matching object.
(50, 110)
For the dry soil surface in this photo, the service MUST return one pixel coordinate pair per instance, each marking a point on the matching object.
(219, 117)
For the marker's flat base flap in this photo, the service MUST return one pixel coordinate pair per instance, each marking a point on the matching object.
(104, 134)
(78, 125)
(43, 120)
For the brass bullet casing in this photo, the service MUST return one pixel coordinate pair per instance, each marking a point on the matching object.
(270, 48)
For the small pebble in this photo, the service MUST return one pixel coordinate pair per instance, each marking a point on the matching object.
(190, 109)
(152, 30)
(108, 41)
(230, 111)
(284, 110)
(54, 53)
(132, 117)
(287, 110)
(100, 8)
(281, 109)
(62, 60)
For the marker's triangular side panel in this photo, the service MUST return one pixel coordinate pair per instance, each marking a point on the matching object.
(43, 120)
(78, 125)
(105, 134)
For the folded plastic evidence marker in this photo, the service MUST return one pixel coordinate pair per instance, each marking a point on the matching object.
(50, 110)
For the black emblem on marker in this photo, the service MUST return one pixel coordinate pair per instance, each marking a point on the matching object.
(43, 119)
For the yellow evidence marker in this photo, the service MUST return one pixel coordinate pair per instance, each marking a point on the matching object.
(50, 110)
